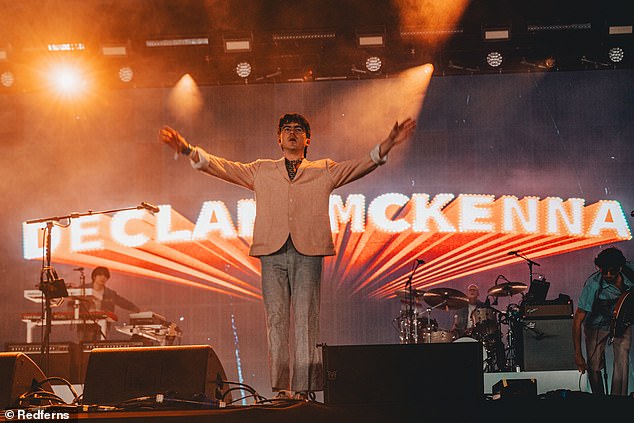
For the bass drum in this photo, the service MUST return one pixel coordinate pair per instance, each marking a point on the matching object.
(485, 356)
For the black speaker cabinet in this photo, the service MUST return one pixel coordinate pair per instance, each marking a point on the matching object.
(547, 345)
(189, 372)
(403, 373)
(63, 359)
(17, 373)
(85, 348)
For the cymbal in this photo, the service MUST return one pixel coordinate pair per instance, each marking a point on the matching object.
(404, 293)
(507, 289)
(445, 298)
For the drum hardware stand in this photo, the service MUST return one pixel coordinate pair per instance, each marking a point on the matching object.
(411, 336)
(511, 356)
(51, 285)
(429, 326)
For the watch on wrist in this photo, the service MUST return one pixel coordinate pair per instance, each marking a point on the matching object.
(187, 149)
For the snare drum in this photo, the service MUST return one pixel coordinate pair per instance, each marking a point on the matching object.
(484, 321)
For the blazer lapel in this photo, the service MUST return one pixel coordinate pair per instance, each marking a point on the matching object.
(301, 167)
(281, 167)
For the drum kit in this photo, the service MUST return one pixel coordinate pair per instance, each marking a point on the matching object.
(416, 325)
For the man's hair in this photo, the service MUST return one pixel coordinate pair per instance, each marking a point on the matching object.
(298, 119)
(100, 271)
(294, 118)
(610, 257)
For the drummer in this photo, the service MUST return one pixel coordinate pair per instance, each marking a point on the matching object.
(463, 324)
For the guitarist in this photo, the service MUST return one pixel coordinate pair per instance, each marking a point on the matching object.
(594, 312)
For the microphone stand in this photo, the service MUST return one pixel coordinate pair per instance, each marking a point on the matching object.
(530, 262)
(50, 284)
(412, 333)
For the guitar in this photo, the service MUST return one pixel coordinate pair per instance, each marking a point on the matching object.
(623, 314)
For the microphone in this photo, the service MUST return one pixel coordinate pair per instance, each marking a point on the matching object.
(420, 261)
(79, 269)
(150, 207)
(512, 253)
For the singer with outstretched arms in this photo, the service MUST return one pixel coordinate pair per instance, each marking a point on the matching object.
(291, 236)
(595, 310)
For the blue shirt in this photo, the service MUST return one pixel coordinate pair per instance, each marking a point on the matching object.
(600, 307)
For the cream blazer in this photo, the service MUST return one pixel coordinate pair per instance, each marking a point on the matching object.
(298, 208)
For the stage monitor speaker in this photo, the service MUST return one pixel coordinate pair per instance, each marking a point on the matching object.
(18, 373)
(63, 359)
(403, 373)
(547, 345)
(86, 347)
(191, 372)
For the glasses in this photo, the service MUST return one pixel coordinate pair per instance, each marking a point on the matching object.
(296, 129)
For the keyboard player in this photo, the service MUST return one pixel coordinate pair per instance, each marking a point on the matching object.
(103, 299)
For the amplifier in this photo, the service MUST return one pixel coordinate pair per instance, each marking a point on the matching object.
(35, 348)
(547, 345)
(548, 311)
(89, 346)
(63, 358)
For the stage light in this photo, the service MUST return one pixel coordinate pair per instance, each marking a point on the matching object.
(4, 54)
(496, 34)
(67, 80)
(550, 62)
(494, 59)
(559, 27)
(371, 36)
(616, 54)
(126, 74)
(177, 42)
(114, 50)
(243, 69)
(66, 47)
(619, 29)
(7, 79)
(237, 42)
(373, 63)
(422, 32)
(304, 35)
(309, 75)
(371, 41)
